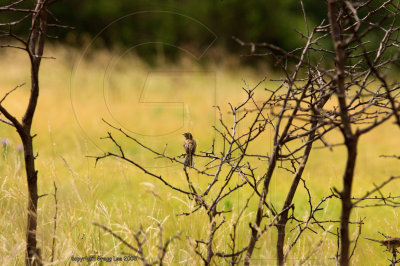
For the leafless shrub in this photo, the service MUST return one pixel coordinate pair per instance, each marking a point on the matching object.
(352, 95)
(359, 68)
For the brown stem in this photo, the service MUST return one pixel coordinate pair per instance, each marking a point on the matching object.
(255, 228)
(349, 137)
(210, 253)
(347, 206)
(281, 225)
(32, 253)
(36, 41)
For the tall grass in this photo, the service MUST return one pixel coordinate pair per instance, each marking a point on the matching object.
(157, 106)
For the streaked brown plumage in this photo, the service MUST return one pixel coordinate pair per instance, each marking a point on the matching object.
(391, 243)
(190, 148)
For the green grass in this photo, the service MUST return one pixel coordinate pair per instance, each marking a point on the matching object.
(123, 198)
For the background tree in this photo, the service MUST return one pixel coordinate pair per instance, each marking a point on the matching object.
(350, 27)
(360, 63)
(32, 42)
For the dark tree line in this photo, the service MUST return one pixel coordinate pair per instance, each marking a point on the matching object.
(223, 18)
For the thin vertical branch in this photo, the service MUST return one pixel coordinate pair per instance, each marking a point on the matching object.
(53, 248)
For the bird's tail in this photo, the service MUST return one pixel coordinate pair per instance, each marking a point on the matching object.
(188, 160)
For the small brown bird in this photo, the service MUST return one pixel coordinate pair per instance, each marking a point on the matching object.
(190, 148)
(391, 243)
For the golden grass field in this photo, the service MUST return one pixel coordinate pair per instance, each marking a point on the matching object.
(157, 106)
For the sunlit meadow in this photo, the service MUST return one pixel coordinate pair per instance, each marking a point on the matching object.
(156, 105)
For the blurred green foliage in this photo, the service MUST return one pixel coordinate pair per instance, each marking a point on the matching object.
(179, 23)
(173, 27)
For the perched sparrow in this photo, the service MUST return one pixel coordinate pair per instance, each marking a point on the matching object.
(391, 243)
(190, 148)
